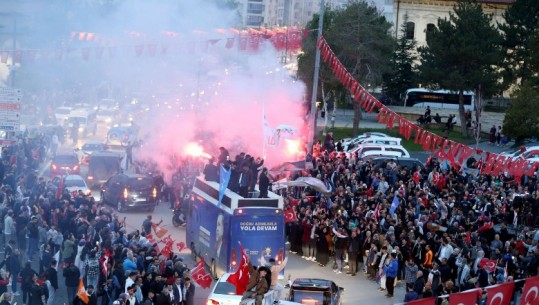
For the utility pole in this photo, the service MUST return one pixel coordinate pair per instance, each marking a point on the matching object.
(315, 78)
(12, 72)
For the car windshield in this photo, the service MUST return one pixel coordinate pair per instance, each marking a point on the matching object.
(65, 159)
(225, 288)
(81, 120)
(140, 183)
(74, 183)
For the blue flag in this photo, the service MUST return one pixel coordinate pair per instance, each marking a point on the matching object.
(394, 205)
(224, 178)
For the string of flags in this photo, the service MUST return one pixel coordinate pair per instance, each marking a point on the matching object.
(444, 149)
(88, 45)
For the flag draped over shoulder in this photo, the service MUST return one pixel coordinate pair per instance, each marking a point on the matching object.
(240, 278)
(224, 178)
(394, 205)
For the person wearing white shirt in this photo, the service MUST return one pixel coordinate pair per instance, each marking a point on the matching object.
(130, 281)
(177, 291)
(445, 251)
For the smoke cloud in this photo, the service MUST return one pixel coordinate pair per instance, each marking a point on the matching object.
(155, 59)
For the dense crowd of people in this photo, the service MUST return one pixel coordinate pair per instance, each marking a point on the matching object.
(47, 232)
(436, 229)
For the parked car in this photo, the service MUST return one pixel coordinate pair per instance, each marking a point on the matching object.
(315, 291)
(348, 143)
(379, 150)
(410, 163)
(130, 191)
(65, 164)
(375, 140)
(61, 114)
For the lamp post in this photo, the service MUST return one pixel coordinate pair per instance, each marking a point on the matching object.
(315, 78)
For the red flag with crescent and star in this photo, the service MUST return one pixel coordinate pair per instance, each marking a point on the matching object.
(199, 275)
(530, 293)
(500, 294)
(290, 215)
(240, 278)
(489, 264)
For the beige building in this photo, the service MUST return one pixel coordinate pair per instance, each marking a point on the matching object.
(423, 14)
(270, 13)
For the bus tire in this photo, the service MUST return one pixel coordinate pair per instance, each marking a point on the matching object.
(193, 251)
(213, 270)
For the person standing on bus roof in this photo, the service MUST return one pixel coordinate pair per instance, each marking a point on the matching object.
(224, 156)
(211, 172)
(246, 178)
(264, 183)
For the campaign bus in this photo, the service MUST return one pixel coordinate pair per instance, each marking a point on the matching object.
(444, 99)
(215, 231)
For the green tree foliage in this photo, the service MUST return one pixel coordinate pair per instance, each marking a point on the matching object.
(360, 37)
(520, 27)
(521, 120)
(403, 74)
(463, 53)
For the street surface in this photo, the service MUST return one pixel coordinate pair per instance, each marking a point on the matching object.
(357, 289)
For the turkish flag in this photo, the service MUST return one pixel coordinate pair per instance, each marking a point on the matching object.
(181, 246)
(530, 293)
(240, 278)
(199, 275)
(489, 264)
(426, 301)
(159, 231)
(500, 294)
(290, 215)
(150, 238)
(466, 297)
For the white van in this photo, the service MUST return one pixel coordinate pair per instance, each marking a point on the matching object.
(380, 140)
(380, 150)
(86, 119)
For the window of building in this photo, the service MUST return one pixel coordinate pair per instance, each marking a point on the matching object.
(430, 29)
(410, 30)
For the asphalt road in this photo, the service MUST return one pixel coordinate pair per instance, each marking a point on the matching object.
(357, 289)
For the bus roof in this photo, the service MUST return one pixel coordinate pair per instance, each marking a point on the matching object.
(443, 91)
(231, 201)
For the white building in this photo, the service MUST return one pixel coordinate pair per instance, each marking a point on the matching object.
(270, 13)
(423, 14)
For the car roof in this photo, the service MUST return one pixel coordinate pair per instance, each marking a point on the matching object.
(63, 156)
(73, 177)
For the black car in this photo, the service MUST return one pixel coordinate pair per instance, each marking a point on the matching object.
(323, 292)
(410, 163)
(130, 191)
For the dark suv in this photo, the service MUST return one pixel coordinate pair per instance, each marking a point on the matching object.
(323, 292)
(130, 191)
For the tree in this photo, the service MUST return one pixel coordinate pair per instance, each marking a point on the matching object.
(360, 37)
(403, 74)
(521, 24)
(463, 53)
(521, 120)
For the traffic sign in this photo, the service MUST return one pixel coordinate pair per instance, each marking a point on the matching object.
(10, 112)
(10, 95)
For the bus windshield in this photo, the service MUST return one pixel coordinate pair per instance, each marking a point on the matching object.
(436, 99)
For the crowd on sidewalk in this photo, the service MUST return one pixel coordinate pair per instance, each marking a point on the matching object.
(73, 236)
(436, 230)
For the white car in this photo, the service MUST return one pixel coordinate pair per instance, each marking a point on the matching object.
(528, 152)
(61, 114)
(75, 183)
(395, 151)
(348, 141)
(224, 293)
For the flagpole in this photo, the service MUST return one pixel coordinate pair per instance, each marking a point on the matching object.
(263, 129)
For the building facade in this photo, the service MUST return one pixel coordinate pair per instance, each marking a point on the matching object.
(423, 15)
(271, 13)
